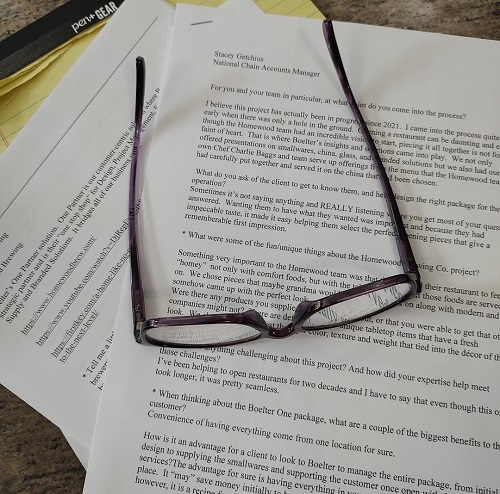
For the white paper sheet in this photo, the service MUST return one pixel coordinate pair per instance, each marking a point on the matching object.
(63, 222)
(407, 401)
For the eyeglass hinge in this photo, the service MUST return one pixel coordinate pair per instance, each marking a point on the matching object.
(139, 325)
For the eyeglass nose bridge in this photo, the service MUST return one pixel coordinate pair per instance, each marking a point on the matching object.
(274, 332)
(304, 307)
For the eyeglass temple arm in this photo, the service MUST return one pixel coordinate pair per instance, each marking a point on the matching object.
(403, 243)
(137, 292)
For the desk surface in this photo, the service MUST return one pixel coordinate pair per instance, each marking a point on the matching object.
(34, 456)
(473, 18)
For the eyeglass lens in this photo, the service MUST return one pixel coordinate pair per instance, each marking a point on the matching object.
(358, 307)
(202, 334)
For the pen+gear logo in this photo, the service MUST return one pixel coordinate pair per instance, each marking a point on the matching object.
(98, 15)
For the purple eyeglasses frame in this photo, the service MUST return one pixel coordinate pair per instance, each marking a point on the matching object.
(306, 308)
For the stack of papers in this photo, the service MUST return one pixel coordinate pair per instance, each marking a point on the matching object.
(259, 193)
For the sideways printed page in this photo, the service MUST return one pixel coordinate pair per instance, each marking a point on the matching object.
(260, 193)
(63, 222)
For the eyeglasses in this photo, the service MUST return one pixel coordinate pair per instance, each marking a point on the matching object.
(328, 312)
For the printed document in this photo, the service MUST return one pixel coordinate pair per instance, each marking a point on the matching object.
(260, 193)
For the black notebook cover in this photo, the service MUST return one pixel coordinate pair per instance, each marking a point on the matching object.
(45, 34)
